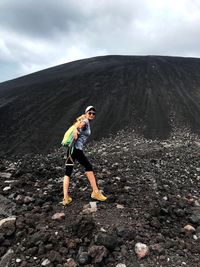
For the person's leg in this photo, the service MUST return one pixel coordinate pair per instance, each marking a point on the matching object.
(66, 186)
(92, 180)
(96, 194)
(68, 171)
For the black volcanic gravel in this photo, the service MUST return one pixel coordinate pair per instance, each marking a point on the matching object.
(155, 182)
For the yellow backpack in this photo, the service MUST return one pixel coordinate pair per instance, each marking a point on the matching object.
(68, 138)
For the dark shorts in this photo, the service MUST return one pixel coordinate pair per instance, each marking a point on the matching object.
(80, 157)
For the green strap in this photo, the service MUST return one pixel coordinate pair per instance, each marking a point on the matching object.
(70, 150)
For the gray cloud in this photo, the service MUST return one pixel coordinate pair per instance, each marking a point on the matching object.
(37, 19)
(38, 34)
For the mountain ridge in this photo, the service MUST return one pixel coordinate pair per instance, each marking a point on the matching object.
(146, 93)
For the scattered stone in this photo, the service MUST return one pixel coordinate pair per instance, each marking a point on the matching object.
(45, 262)
(197, 143)
(141, 250)
(5, 175)
(119, 206)
(196, 203)
(121, 230)
(198, 231)
(19, 199)
(5, 260)
(6, 207)
(71, 243)
(7, 188)
(110, 241)
(84, 227)
(157, 249)
(28, 200)
(195, 218)
(97, 253)
(54, 256)
(83, 258)
(92, 207)
(189, 228)
(10, 181)
(120, 265)
(7, 226)
(58, 216)
(70, 263)
(155, 223)
(195, 237)
(102, 230)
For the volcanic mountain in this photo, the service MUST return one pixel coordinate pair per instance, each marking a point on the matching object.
(148, 94)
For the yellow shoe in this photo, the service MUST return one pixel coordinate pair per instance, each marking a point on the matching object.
(66, 201)
(98, 196)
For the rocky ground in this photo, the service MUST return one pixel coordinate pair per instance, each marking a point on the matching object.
(154, 199)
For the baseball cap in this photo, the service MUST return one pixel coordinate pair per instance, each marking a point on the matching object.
(89, 108)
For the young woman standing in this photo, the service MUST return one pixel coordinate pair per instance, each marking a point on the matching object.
(80, 136)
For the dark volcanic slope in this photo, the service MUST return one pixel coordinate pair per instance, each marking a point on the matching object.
(150, 94)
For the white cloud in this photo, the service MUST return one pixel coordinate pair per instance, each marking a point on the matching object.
(38, 34)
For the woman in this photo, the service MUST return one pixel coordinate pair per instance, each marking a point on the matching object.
(81, 135)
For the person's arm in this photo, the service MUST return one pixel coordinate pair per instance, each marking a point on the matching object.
(79, 125)
(75, 134)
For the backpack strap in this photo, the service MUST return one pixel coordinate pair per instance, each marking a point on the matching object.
(70, 150)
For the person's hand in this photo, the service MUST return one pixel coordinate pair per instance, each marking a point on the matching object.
(81, 124)
(75, 135)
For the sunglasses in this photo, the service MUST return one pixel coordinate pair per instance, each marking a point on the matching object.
(92, 113)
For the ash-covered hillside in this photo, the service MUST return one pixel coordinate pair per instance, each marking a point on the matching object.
(149, 93)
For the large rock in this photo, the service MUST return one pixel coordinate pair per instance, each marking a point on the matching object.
(5, 175)
(83, 258)
(110, 241)
(84, 227)
(58, 216)
(7, 226)
(70, 263)
(5, 260)
(45, 262)
(141, 250)
(97, 253)
(6, 208)
(195, 218)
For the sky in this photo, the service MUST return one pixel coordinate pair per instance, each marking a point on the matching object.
(38, 34)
